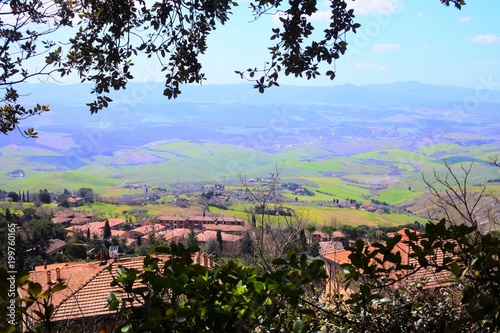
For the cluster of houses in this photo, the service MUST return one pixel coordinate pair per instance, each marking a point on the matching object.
(84, 301)
(172, 229)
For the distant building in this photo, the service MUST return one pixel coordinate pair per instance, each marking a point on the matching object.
(55, 246)
(75, 201)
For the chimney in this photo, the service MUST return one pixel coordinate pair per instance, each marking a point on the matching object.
(58, 274)
(44, 265)
(49, 280)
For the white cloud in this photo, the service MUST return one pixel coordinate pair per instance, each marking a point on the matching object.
(385, 47)
(367, 7)
(318, 16)
(486, 39)
(370, 66)
(464, 19)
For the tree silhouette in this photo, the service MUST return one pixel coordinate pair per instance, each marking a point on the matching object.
(106, 232)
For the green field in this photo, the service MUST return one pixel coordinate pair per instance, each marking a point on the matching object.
(388, 175)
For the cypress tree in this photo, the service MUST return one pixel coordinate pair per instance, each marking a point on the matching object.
(219, 239)
(191, 239)
(106, 233)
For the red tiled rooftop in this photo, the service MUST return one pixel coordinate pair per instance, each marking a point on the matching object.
(88, 285)
(225, 227)
(115, 222)
(208, 234)
(433, 278)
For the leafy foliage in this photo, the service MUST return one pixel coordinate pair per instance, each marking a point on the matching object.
(180, 296)
(32, 312)
(469, 304)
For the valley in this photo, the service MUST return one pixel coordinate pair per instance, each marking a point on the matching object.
(376, 148)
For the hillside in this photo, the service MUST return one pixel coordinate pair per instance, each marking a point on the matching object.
(367, 142)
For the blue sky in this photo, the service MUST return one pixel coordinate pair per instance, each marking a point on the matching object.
(408, 40)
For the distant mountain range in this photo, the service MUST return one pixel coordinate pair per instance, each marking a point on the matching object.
(141, 115)
(395, 94)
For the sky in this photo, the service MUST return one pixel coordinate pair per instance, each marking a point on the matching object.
(399, 40)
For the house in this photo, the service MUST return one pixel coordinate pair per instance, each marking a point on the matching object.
(368, 206)
(330, 246)
(86, 215)
(319, 236)
(173, 222)
(225, 220)
(340, 237)
(336, 236)
(119, 233)
(75, 201)
(230, 242)
(115, 224)
(145, 230)
(434, 279)
(55, 246)
(94, 228)
(64, 221)
(200, 222)
(174, 235)
(84, 302)
(234, 229)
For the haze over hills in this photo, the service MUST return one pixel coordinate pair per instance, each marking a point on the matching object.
(377, 135)
(229, 113)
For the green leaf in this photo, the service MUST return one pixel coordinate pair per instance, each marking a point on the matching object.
(34, 288)
(299, 326)
(58, 287)
(183, 279)
(258, 286)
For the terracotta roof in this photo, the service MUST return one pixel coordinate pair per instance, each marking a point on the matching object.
(221, 219)
(148, 229)
(208, 234)
(119, 233)
(225, 227)
(62, 220)
(74, 275)
(90, 299)
(94, 227)
(74, 199)
(171, 218)
(433, 278)
(331, 246)
(85, 215)
(320, 233)
(174, 234)
(80, 220)
(202, 218)
(88, 285)
(338, 234)
(64, 213)
(55, 245)
(115, 222)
